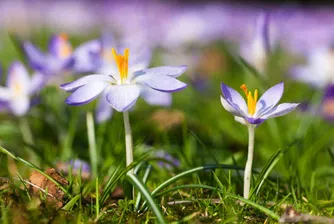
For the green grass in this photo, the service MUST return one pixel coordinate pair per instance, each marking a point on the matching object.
(293, 164)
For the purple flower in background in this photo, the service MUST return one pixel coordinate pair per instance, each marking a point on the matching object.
(87, 57)
(255, 111)
(172, 161)
(256, 50)
(121, 89)
(327, 104)
(75, 165)
(319, 71)
(57, 60)
(16, 96)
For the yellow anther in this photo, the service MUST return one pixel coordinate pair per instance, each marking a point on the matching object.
(122, 62)
(251, 101)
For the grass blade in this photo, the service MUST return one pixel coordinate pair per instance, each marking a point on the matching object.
(137, 183)
(145, 177)
(255, 205)
(266, 171)
(71, 203)
(5, 151)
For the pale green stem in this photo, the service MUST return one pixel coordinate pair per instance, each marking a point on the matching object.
(248, 168)
(92, 144)
(128, 140)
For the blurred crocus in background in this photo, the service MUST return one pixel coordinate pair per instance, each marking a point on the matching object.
(53, 63)
(20, 87)
(256, 50)
(319, 70)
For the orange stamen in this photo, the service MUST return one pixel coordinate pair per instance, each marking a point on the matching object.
(251, 101)
(122, 62)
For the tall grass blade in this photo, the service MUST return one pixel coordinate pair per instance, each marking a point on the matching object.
(137, 183)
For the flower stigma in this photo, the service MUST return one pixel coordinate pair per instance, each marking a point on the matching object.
(122, 62)
(251, 101)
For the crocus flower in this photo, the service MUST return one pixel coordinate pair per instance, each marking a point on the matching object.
(256, 50)
(123, 88)
(19, 88)
(56, 61)
(255, 111)
(103, 62)
(319, 71)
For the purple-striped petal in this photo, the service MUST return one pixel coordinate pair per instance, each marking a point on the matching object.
(234, 99)
(232, 108)
(60, 47)
(36, 58)
(72, 86)
(173, 71)
(155, 97)
(122, 97)
(103, 110)
(280, 110)
(269, 99)
(161, 83)
(86, 93)
(252, 120)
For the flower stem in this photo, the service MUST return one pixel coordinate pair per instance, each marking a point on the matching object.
(128, 140)
(93, 155)
(248, 168)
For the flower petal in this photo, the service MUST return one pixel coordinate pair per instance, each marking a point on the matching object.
(103, 110)
(60, 47)
(72, 86)
(240, 120)
(173, 71)
(161, 83)
(231, 108)
(35, 56)
(123, 97)
(269, 99)
(280, 110)
(5, 94)
(87, 56)
(37, 82)
(19, 105)
(86, 93)
(155, 97)
(234, 99)
(18, 78)
(252, 120)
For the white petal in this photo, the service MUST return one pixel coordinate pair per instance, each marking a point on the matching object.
(155, 97)
(123, 97)
(19, 105)
(161, 83)
(72, 86)
(86, 93)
